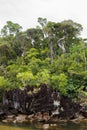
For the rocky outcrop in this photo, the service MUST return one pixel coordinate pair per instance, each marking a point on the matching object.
(22, 101)
(68, 108)
(39, 104)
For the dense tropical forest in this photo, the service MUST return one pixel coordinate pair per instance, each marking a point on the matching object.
(52, 53)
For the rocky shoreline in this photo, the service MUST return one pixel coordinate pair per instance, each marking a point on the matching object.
(45, 118)
(41, 104)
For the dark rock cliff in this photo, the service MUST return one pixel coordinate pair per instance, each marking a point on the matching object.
(32, 100)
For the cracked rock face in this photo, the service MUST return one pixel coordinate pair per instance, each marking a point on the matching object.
(45, 99)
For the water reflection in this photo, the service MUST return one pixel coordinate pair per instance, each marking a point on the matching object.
(40, 126)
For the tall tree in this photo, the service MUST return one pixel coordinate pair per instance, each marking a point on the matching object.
(10, 29)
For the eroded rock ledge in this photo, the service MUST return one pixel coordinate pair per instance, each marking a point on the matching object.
(42, 104)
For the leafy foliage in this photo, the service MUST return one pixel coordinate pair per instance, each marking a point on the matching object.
(52, 54)
(3, 83)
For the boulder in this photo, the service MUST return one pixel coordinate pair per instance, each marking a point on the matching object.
(46, 116)
(21, 118)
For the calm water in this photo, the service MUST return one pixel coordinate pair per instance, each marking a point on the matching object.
(39, 126)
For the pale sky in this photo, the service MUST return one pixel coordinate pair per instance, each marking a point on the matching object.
(26, 12)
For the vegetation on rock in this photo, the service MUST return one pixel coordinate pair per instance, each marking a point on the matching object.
(52, 53)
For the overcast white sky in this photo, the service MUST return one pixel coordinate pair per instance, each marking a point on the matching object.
(26, 12)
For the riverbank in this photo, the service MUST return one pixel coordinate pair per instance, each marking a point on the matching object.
(45, 118)
(41, 104)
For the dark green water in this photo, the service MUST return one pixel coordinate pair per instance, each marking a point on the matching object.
(39, 126)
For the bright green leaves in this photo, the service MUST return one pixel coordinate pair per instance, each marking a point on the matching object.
(55, 82)
(25, 77)
(3, 82)
(43, 77)
(60, 82)
(31, 55)
(62, 78)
